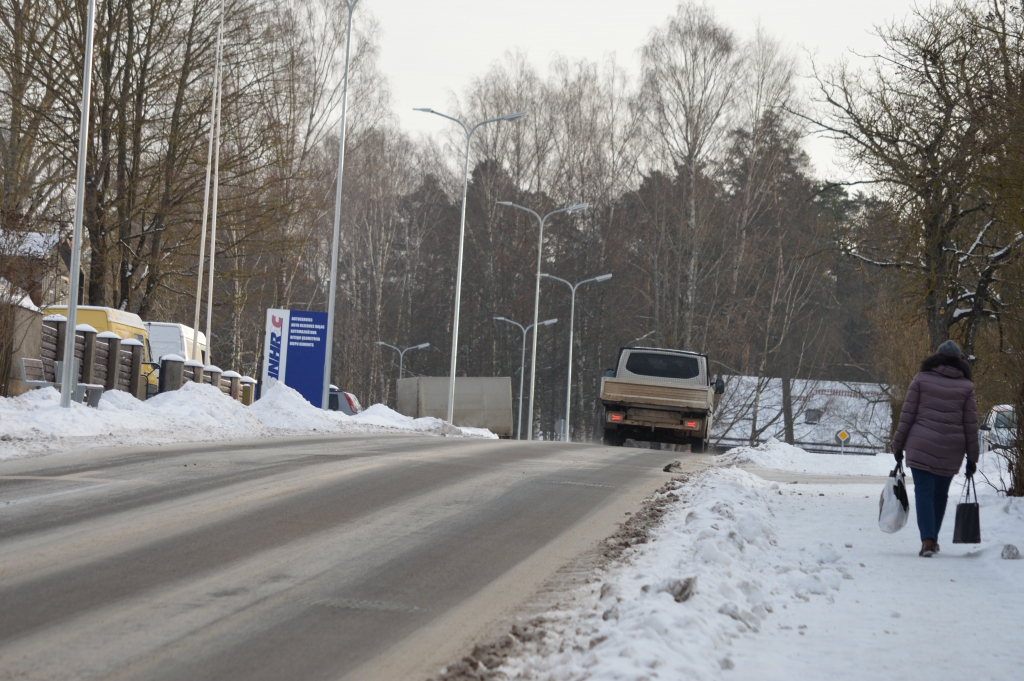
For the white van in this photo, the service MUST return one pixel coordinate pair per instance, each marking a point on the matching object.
(166, 338)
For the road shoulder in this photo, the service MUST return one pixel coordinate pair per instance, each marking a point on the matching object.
(476, 636)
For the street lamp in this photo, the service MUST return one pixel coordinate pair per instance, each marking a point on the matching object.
(522, 367)
(462, 234)
(572, 317)
(401, 354)
(214, 132)
(536, 294)
(351, 5)
(68, 377)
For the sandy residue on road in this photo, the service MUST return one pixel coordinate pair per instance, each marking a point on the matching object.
(528, 628)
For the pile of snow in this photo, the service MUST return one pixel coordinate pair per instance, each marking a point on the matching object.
(781, 456)
(750, 580)
(285, 408)
(35, 423)
(713, 573)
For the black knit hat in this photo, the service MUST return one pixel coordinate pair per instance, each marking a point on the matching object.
(950, 348)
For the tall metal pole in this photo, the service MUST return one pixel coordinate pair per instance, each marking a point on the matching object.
(568, 379)
(536, 295)
(522, 366)
(68, 377)
(213, 226)
(522, 374)
(332, 293)
(536, 311)
(206, 186)
(522, 371)
(458, 285)
(462, 238)
(572, 318)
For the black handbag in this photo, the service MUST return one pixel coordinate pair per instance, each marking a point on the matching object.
(968, 521)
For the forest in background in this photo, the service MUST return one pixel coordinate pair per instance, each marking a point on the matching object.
(720, 235)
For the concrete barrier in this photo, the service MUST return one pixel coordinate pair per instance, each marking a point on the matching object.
(194, 371)
(172, 373)
(248, 390)
(235, 383)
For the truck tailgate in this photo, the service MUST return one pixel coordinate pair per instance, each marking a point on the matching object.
(632, 392)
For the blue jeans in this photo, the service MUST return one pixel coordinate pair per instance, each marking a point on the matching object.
(930, 494)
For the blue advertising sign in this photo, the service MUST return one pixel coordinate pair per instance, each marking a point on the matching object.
(294, 351)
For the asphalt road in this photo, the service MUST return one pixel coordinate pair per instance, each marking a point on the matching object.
(307, 558)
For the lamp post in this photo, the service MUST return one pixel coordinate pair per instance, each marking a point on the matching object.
(68, 377)
(401, 354)
(351, 5)
(462, 235)
(522, 367)
(214, 124)
(572, 318)
(536, 294)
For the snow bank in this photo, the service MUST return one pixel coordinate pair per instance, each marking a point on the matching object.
(779, 455)
(35, 423)
(712, 573)
(284, 408)
(752, 581)
(385, 417)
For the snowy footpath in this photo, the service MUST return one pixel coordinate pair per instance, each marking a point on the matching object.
(34, 423)
(787, 576)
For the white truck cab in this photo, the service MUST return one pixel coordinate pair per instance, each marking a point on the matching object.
(166, 338)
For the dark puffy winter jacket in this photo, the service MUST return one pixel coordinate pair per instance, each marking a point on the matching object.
(939, 421)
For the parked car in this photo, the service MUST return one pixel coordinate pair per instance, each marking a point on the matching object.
(346, 403)
(998, 430)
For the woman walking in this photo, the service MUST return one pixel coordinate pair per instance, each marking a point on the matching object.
(938, 425)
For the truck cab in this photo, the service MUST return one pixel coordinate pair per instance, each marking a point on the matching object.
(166, 338)
(659, 395)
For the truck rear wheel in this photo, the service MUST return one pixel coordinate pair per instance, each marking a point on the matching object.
(612, 438)
(698, 445)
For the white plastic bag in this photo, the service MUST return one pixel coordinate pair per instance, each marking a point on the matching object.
(893, 506)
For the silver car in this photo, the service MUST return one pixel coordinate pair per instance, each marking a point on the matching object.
(998, 430)
(346, 403)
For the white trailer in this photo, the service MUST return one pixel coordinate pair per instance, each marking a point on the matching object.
(479, 402)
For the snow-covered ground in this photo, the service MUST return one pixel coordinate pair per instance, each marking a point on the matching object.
(34, 423)
(820, 410)
(752, 579)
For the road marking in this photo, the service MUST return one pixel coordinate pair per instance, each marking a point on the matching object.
(358, 604)
(581, 484)
(84, 476)
(40, 497)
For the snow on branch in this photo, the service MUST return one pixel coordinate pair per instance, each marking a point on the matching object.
(878, 263)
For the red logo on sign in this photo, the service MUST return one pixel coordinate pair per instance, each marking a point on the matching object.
(277, 322)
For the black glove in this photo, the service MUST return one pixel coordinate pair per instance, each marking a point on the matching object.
(971, 468)
(899, 456)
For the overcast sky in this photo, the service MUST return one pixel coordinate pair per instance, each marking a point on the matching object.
(431, 48)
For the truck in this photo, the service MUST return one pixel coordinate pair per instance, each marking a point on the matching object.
(166, 338)
(124, 324)
(480, 402)
(659, 395)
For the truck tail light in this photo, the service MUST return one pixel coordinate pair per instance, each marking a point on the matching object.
(613, 416)
(691, 424)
